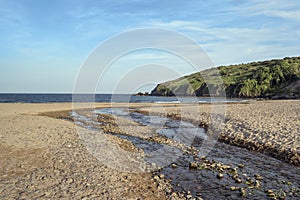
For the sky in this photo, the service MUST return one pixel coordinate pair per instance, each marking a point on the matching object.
(45, 43)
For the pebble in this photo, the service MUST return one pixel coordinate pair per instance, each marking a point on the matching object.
(174, 165)
(220, 175)
(193, 165)
(243, 192)
(238, 180)
(198, 193)
(168, 190)
(258, 177)
(269, 191)
(257, 184)
(47, 193)
(232, 188)
(241, 165)
(69, 181)
(174, 194)
(161, 176)
(271, 195)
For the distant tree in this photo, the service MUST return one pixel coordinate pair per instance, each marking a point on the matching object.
(250, 88)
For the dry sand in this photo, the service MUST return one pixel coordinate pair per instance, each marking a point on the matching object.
(42, 157)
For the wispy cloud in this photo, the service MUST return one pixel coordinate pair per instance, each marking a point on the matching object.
(239, 39)
(284, 9)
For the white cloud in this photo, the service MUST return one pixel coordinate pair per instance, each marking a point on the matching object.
(285, 9)
(233, 43)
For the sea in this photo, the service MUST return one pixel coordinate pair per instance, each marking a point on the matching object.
(117, 98)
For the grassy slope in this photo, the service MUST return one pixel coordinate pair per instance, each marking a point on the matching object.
(280, 77)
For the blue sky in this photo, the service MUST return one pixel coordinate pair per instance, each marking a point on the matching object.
(44, 43)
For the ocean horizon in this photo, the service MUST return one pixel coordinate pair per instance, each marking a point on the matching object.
(117, 98)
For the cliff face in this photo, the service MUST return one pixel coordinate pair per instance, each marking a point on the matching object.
(278, 78)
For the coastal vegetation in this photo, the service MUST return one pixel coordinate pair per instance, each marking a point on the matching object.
(277, 78)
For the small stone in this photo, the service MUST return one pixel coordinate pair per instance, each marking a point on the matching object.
(232, 188)
(174, 165)
(258, 177)
(220, 175)
(161, 176)
(241, 165)
(193, 165)
(189, 196)
(243, 192)
(269, 191)
(257, 184)
(238, 180)
(69, 181)
(174, 194)
(271, 195)
(168, 190)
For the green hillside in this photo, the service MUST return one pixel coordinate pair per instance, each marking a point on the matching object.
(278, 78)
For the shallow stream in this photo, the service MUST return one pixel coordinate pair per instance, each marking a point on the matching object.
(250, 175)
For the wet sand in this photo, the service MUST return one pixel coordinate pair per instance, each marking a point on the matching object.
(43, 157)
(270, 127)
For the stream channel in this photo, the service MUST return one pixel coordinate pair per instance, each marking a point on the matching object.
(250, 175)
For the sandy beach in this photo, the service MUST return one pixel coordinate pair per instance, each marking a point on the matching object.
(43, 157)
